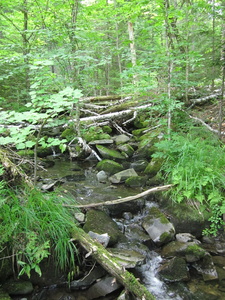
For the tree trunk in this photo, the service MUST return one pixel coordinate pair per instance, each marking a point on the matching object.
(109, 263)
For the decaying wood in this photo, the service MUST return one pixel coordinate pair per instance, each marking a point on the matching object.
(206, 98)
(105, 98)
(109, 263)
(126, 199)
(114, 114)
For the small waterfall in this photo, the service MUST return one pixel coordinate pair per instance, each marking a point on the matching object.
(149, 272)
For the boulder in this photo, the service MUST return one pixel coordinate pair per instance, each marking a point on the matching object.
(135, 181)
(158, 226)
(187, 237)
(206, 268)
(109, 166)
(101, 142)
(101, 238)
(190, 251)
(102, 176)
(153, 167)
(107, 153)
(139, 165)
(127, 258)
(88, 279)
(174, 270)
(121, 139)
(18, 287)
(122, 176)
(126, 149)
(103, 287)
(99, 222)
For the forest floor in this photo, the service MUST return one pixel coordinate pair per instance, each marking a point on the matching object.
(209, 113)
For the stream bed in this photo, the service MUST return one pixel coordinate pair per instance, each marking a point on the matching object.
(79, 180)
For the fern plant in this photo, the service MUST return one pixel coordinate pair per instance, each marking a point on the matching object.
(195, 165)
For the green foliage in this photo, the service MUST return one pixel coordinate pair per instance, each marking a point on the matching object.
(34, 224)
(195, 166)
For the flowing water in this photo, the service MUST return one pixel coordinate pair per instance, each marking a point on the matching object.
(82, 183)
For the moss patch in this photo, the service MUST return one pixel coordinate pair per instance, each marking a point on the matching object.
(109, 166)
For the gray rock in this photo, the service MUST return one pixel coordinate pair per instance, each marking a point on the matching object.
(121, 139)
(101, 142)
(158, 226)
(101, 238)
(187, 237)
(103, 287)
(139, 165)
(80, 217)
(88, 279)
(18, 287)
(127, 258)
(102, 176)
(122, 176)
(206, 268)
(174, 270)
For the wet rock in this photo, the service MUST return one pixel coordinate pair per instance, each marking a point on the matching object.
(78, 176)
(135, 181)
(105, 286)
(18, 287)
(134, 245)
(153, 167)
(158, 226)
(139, 165)
(109, 166)
(136, 232)
(107, 153)
(187, 237)
(174, 270)
(102, 176)
(190, 251)
(101, 238)
(214, 245)
(206, 268)
(122, 176)
(88, 279)
(49, 187)
(127, 258)
(99, 222)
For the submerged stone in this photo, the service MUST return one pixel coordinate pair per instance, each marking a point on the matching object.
(206, 268)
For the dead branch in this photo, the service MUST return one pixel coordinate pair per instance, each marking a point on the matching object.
(126, 199)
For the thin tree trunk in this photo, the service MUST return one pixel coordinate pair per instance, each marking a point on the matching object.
(132, 50)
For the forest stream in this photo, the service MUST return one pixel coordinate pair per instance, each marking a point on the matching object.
(80, 180)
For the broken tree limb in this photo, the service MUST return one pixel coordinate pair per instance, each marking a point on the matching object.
(206, 98)
(126, 199)
(110, 264)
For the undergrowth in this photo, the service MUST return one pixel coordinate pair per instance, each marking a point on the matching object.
(35, 225)
(194, 163)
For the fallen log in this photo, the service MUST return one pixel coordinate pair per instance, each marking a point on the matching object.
(110, 264)
(105, 98)
(126, 199)
(206, 98)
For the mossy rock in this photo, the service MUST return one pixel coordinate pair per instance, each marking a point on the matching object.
(18, 287)
(109, 153)
(68, 133)
(175, 270)
(4, 295)
(107, 129)
(99, 222)
(95, 133)
(43, 152)
(109, 166)
(153, 167)
(126, 149)
(142, 121)
(135, 181)
(28, 153)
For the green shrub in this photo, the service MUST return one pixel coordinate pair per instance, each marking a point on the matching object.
(34, 225)
(195, 165)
